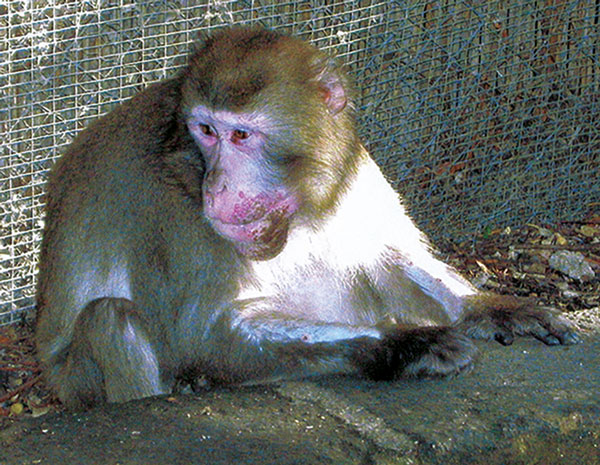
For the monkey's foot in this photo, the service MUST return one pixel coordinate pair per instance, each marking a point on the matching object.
(423, 351)
(502, 318)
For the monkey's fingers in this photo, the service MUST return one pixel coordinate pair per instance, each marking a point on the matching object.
(501, 319)
(550, 327)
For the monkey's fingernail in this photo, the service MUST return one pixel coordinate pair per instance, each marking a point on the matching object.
(504, 338)
(548, 339)
(570, 337)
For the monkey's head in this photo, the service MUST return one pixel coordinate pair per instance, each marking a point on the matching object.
(273, 118)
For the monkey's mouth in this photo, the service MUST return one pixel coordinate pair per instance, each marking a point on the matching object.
(258, 240)
(258, 237)
(245, 232)
(251, 219)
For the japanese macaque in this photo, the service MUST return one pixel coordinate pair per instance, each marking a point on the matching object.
(228, 223)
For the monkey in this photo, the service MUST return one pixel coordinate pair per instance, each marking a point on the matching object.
(229, 223)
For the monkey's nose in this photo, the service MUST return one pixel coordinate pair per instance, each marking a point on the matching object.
(214, 182)
(209, 199)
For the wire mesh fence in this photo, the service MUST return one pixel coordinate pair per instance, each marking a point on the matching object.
(481, 113)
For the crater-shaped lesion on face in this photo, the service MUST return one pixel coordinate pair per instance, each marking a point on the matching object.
(259, 225)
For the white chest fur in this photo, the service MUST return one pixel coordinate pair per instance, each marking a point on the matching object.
(369, 221)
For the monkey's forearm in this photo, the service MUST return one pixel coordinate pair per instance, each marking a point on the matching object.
(253, 342)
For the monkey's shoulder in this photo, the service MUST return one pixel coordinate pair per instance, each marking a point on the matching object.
(135, 126)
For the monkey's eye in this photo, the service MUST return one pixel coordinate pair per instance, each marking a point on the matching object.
(240, 134)
(206, 129)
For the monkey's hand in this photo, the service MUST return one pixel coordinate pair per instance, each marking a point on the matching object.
(499, 317)
(417, 351)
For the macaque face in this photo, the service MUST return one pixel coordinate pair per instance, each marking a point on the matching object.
(244, 196)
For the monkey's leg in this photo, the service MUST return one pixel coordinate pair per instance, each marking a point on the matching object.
(109, 359)
(254, 341)
(500, 317)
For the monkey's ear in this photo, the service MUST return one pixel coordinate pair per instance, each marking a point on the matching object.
(332, 86)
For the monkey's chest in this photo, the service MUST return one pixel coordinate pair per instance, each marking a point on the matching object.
(316, 279)
(308, 293)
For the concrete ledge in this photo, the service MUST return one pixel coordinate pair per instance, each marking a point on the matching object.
(524, 404)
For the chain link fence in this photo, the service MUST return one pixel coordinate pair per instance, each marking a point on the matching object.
(481, 113)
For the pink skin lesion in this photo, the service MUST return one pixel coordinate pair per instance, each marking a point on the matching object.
(252, 208)
(257, 225)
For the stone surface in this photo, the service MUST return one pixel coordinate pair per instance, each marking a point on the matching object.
(524, 404)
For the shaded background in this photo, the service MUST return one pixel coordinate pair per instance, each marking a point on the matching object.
(482, 114)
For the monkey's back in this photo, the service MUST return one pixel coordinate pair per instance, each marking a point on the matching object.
(115, 226)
